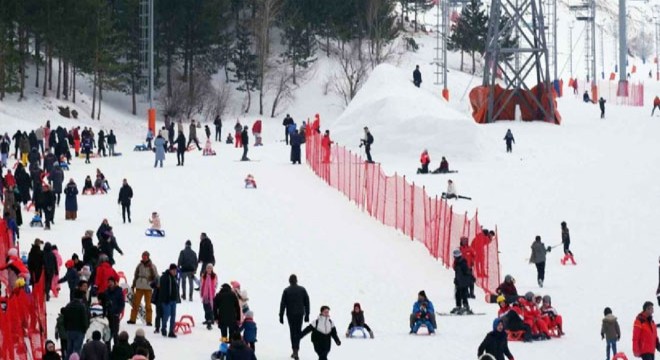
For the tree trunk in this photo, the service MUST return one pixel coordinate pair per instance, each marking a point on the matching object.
(191, 79)
(50, 67)
(46, 72)
(327, 44)
(37, 50)
(415, 26)
(473, 63)
(2, 69)
(249, 98)
(461, 60)
(22, 49)
(59, 76)
(94, 95)
(100, 81)
(133, 91)
(185, 65)
(73, 84)
(65, 80)
(168, 64)
(294, 72)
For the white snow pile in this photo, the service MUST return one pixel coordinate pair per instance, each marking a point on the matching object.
(404, 120)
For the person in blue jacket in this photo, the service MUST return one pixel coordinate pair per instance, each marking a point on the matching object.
(249, 329)
(421, 298)
(508, 138)
(87, 148)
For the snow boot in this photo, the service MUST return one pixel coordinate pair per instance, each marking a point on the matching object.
(456, 310)
(540, 283)
(371, 334)
(466, 311)
(348, 332)
(209, 327)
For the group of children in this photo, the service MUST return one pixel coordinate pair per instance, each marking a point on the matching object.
(533, 315)
(100, 185)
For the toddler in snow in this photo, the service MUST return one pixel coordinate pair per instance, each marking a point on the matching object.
(250, 183)
(98, 323)
(249, 329)
(610, 332)
(155, 223)
(423, 318)
(357, 320)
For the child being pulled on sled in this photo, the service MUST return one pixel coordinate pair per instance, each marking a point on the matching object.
(250, 183)
(423, 318)
(357, 320)
(155, 223)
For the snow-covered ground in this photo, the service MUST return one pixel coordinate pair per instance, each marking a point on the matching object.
(597, 175)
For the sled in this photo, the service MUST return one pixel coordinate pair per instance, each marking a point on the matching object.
(36, 221)
(185, 324)
(424, 327)
(450, 314)
(141, 147)
(116, 154)
(64, 166)
(515, 335)
(358, 329)
(620, 356)
(154, 233)
(209, 152)
(221, 354)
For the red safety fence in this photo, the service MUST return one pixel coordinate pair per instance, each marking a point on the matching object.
(628, 94)
(23, 327)
(395, 202)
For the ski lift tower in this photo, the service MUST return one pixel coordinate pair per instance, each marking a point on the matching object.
(147, 58)
(525, 18)
(442, 33)
(586, 11)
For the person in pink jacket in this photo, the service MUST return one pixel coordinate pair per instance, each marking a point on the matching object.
(207, 289)
(55, 283)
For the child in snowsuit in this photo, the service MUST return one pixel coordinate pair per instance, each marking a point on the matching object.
(71, 278)
(230, 139)
(610, 332)
(551, 316)
(249, 329)
(357, 320)
(250, 183)
(423, 318)
(323, 330)
(155, 224)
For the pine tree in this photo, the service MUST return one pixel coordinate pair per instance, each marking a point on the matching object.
(245, 63)
(469, 33)
(299, 40)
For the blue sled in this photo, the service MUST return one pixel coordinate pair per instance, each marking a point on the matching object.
(221, 354)
(155, 233)
(358, 329)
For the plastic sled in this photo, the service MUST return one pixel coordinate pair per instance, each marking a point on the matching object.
(515, 335)
(620, 356)
(89, 192)
(221, 354)
(185, 324)
(116, 154)
(92, 155)
(64, 166)
(208, 152)
(154, 233)
(36, 221)
(358, 329)
(423, 326)
(140, 147)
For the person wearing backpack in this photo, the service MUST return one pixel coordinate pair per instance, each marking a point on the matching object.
(366, 142)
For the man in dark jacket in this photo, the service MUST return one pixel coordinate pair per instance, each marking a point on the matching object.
(192, 135)
(218, 128)
(48, 205)
(180, 148)
(125, 196)
(462, 281)
(496, 343)
(366, 142)
(417, 76)
(288, 120)
(101, 143)
(95, 349)
(76, 322)
(296, 142)
(244, 142)
(168, 294)
(206, 254)
(296, 303)
(112, 141)
(187, 266)
(56, 178)
(50, 268)
(49, 161)
(113, 306)
(227, 311)
(35, 261)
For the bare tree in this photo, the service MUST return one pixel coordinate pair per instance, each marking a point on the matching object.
(217, 101)
(354, 70)
(186, 101)
(267, 12)
(282, 88)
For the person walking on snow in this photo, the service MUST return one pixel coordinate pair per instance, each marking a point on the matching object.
(538, 258)
(237, 132)
(296, 141)
(288, 120)
(601, 104)
(125, 197)
(192, 135)
(187, 267)
(112, 141)
(496, 343)
(256, 131)
(207, 131)
(566, 241)
(168, 293)
(245, 137)
(145, 273)
(227, 311)
(180, 148)
(206, 255)
(645, 335)
(656, 104)
(323, 330)
(508, 138)
(218, 128)
(366, 142)
(295, 302)
(325, 146)
(159, 145)
(209, 283)
(610, 332)
(417, 76)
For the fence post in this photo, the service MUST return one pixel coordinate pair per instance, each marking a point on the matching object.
(403, 210)
(412, 211)
(396, 202)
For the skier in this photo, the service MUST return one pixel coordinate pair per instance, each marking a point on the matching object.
(469, 255)
(218, 128)
(645, 335)
(145, 273)
(187, 268)
(656, 104)
(366, 142)
(227, 311)
(417, 76)
(425, 159)
(538, 258)
(444, 167)
(209, 283)
(508, 138)
(295, 302)
(566, 240)
(322, 329)
(462, 280)
(325, 147)
(180, 148)
(421, 299)
(288, 120)
(610, 332)
(192, 134)
(357, 320)
(125, 197)
(496, 343)
(244, 142)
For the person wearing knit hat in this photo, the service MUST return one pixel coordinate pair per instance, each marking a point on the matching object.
(496, 343)
(188, 266)
(50, 353)
(122, 349)
(242, 295)
(168, 296)
(462, 279)
(422, 298)
(145, 273)
(141, 342)
(249, 329)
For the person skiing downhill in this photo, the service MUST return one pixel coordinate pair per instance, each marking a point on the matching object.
(566, 241)
(462, 280)
(366, 142)
(509, 140)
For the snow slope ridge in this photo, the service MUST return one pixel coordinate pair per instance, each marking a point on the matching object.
(406, 118)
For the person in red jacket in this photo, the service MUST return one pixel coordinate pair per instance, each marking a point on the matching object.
(479, 244)
(645, 335)
(104, 272)
(656, 104)
(550, 314)
(10, 181)
(15, 268)
(325, 145)
(425, 159)
(256, 131)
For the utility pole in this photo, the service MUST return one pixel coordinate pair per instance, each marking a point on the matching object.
(602, 54)
(623, 79)
(438, 62)
(570, 40)
(657, 41)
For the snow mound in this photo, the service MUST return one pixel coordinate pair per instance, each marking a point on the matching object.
(404, 120)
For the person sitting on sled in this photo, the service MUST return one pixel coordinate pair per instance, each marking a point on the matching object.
(425, 159)
(88, 188)
(357, 320)
(98, 185)
(512, 317)
(155, 224)
(105, 184)
(421, 298)
(230, 139)
(423, 318)
(250, 183)
(444, 167)
(552, 317)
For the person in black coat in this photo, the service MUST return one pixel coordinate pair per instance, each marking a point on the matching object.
(124, 199)
(49, 161)
(295, 302)
(102, 231)
(496, 343)
(218, 128)
(101, 143)
(366, 142)
(50, 267)
(113, 306)
(168, 297)
(76, 322)
(17, 139)
(35, 261)
(323, 330)
(71, 277)
(180, 148)
(56, 178)
(296, 142)
(462, 281)
(245, 137)
(226, 310)
(288, 120)
(108, 247)
(23, 184)
(48, 205)
(239, 350)
(205, 255)
(71, 201)
(417, 76)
